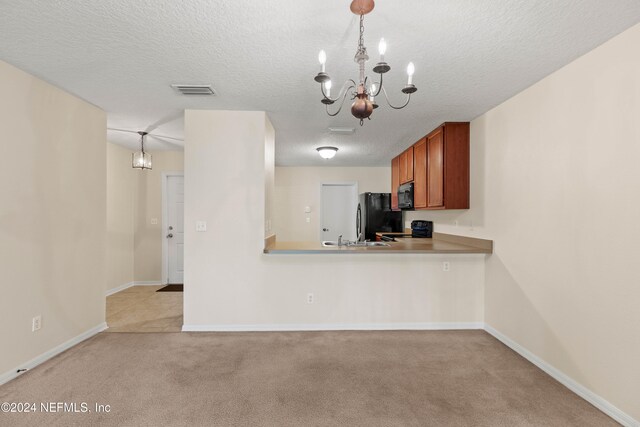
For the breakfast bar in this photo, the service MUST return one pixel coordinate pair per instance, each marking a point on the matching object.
(440, 243)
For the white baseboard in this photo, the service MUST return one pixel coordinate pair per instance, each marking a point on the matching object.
(333, 327)
(596, 400)
(130, 284)
(147, 283)
(8, 376)
(119, 288)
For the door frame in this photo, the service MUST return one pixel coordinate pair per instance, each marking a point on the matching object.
(353, 184)
(165, 225)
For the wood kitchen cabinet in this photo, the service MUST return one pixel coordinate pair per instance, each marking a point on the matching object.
(395, 182)
(435, 169)
(455, 174)
(440, 168)
(420, 174)
(406, 166)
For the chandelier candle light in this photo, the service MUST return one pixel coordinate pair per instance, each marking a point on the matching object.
(362, 93)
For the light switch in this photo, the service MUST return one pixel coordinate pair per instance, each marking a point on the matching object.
(154, 221)
(307, 209)
(308, 219)
(201, 225)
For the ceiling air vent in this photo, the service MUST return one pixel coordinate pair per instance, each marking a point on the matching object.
(194, 89)
(342, 131)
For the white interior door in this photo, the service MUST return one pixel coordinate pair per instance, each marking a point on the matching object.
(175, 229)
(339, 204)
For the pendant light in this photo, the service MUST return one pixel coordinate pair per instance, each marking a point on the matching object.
(141, 160)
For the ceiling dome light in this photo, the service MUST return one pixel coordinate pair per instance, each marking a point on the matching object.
(327, 152)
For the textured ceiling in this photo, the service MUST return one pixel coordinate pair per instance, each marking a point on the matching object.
(470, 55)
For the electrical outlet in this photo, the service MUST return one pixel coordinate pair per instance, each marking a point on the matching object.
(309, 298)
(36, 323)
(154, 221)
(446, 266)
(308, 219)
(201, 225)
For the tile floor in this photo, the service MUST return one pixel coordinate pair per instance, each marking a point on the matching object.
(142, 309)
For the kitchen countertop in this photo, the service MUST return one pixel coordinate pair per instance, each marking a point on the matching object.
(439, 244)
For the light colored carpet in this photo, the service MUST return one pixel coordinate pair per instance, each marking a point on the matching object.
(142, 309)
(390, 378)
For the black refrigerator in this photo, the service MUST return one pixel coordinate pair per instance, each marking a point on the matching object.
(374, 214)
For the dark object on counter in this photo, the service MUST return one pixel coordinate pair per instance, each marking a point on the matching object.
(392, 237)
(375, 215)
(421, 228)
(405, 197)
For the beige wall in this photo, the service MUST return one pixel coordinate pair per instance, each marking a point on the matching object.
(557, 187)
(298, 187)
(120, 216)
(230, 283)
(269, 177)
(52, 216)
(148, 205)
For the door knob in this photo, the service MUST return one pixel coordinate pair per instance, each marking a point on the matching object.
(170, 235)
(325, 229)
(170, 228)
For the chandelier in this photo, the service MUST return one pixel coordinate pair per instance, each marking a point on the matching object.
(365, 91)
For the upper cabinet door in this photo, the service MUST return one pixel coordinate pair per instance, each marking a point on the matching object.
(420, 174)
(406, 166)
(435, 169)
(395, 182)
(402, 168)
(409, 164)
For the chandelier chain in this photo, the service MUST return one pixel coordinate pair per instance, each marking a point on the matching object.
(361, 54)
(142, 143)
(361, 48)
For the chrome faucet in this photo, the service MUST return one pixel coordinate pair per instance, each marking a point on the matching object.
(340, 240)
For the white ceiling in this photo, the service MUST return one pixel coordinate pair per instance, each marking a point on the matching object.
(470, 55)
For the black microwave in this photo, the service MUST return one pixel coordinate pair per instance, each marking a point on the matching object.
(405, 196)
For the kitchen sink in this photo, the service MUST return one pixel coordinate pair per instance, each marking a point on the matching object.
(330, 243)
(376, 244)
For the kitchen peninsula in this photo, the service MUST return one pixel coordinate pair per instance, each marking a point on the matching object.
(440, 244)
